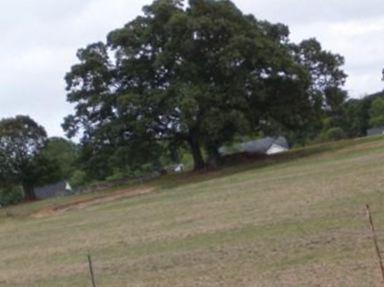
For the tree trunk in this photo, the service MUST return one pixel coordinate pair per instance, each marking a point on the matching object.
(214, 157)
(29, 193)
(198, 159)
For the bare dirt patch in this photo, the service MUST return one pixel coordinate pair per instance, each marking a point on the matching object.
(88, 202)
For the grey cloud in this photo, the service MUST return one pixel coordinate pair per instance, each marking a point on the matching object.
(39, 43)
(39, 39)
(309, 11)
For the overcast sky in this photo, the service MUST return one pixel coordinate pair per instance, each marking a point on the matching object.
(39, 39)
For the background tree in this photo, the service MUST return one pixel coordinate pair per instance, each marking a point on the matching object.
(21, 163)
(64, 154)
(326, 81)
(357, 116)
(377, 113)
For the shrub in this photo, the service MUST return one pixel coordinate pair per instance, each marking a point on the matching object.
(11, 195)
(117, 175)
(333, 134)
(78, 179)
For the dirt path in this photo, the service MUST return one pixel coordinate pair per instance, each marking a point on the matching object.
(97, 200)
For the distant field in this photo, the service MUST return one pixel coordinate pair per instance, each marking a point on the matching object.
(294, 220)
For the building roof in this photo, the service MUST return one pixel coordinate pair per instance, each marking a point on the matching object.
(260, 146)
(263, 145)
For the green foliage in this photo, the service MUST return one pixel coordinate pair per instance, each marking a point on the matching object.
(377, 113)
(79, 178)
(362, 114)
(333, 134)
(11, 195)
(356, 119)
(64, 154)
(326, 80)
(320, 63)
(117, 175)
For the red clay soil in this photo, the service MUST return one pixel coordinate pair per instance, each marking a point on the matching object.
(84, 203)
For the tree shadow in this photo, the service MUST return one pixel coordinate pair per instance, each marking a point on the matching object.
(243, 162)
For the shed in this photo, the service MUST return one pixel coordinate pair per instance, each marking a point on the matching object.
(268, 146)
(379, 131)
(61, 188)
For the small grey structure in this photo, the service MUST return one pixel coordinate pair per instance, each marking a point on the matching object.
(379, 131)
(265, 146)
(61, 188)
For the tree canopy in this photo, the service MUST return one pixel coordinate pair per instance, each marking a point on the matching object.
(196, 76)
(64, 154)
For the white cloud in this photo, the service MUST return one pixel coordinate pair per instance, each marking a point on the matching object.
(359, 42)
(303, 12)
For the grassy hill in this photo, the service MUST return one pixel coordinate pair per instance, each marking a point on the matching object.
(294, 220)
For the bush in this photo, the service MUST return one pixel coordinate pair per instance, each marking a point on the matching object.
(78, 179)
(11, 195)
(117, 175)
(333, 134)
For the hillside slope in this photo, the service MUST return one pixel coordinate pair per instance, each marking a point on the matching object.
(298, 220)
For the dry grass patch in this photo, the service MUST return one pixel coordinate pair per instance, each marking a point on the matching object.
(298, 221)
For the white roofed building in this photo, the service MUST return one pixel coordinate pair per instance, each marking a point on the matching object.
(265, 146)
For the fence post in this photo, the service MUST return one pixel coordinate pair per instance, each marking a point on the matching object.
(375, 241)
(91, 270)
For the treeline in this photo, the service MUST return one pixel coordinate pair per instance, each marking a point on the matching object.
(186, 78)
(353, 119)
(362, 114)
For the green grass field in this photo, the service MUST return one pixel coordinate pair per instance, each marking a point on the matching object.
(294, 220)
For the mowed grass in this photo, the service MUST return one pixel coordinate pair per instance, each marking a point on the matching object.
(294, 220)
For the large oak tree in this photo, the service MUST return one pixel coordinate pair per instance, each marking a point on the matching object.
(195, 75)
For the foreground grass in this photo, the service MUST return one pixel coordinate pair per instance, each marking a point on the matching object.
(295, 220)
